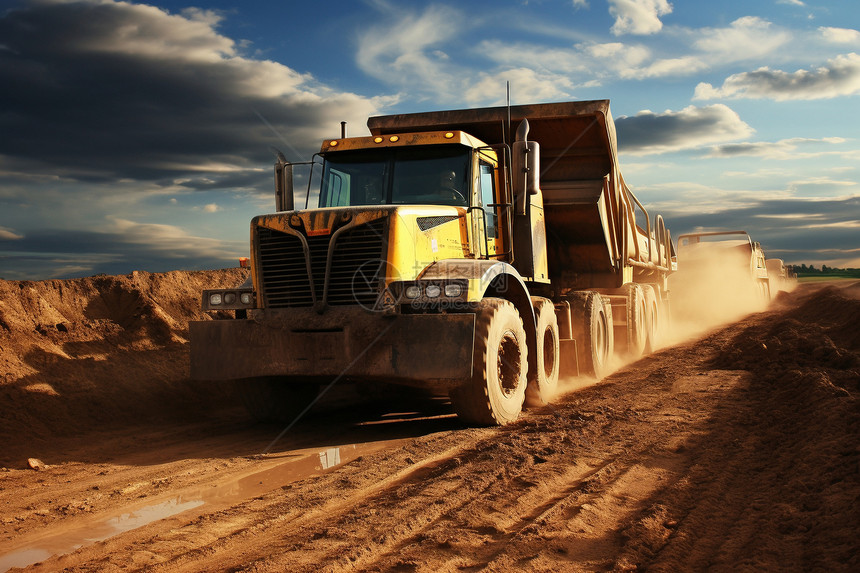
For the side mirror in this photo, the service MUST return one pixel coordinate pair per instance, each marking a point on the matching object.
(526, 167)
(283, 184)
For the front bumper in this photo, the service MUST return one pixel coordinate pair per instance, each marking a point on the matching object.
(425, 350)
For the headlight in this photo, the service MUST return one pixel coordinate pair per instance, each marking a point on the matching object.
(433, 291)
(453, 290)
(413, 291)
(228, 299)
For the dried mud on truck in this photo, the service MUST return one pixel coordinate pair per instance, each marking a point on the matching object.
(482, 253)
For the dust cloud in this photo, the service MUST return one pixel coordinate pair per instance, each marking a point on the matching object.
(712, 287)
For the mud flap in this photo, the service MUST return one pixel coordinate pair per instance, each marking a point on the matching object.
(569, 365)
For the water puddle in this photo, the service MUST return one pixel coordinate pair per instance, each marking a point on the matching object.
(303, 464)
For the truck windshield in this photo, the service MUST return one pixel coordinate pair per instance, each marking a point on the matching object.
(429, 175)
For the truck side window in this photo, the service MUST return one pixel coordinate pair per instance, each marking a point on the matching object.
(336, 189)
(488, 198)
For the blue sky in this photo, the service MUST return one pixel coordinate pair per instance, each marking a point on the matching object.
(138, 136)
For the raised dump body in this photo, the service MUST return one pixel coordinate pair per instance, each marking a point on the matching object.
(483, 253)
(592, 239)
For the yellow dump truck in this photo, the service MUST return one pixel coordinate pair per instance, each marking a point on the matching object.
(730, 256)
(779, 277)
(480, 252)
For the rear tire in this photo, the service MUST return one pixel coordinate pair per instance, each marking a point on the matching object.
(637, 332)
(652, 319)
(543, 381)
(592, 329)
(495, 393)
(275, 398)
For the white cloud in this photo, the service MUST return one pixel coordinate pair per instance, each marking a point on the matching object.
(692, 127)
(615, 54)
(592, 61)
(407, 50)
(683, 66)
(746, 38)
(561, 60)
(638, 16)
(168, 240)
(840, 35)
(9, 234)
(148, 32)
(527, 85)
(826, 182)
(211, 208)
(840, 77)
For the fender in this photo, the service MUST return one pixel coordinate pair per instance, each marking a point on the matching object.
(488, 278)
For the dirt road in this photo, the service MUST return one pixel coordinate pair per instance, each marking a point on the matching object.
(735, 451)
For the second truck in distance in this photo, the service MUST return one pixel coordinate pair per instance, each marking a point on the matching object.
(481, 252)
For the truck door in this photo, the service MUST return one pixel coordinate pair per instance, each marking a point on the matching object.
(488, 196)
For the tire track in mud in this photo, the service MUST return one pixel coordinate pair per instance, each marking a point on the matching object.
(533, 481)
(487, 507)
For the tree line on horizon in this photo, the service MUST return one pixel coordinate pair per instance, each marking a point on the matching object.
(803, 270)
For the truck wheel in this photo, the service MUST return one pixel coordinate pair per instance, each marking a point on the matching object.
(652, 319)
(494, 395)
(275, 399)
(543, 381)
(592, 329)
(637, 332)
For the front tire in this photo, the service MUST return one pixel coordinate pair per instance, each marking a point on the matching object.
(494, 395)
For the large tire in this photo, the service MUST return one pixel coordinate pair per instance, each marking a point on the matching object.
(276, 399)
(637, 332)
(494, 395)
(543, 379)
(653, 327)
(592, 329)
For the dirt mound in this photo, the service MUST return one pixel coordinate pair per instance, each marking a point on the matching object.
(805, 387)
(80, 354)
(818, 336)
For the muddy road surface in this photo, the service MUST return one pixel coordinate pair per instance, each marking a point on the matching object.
(738, 450)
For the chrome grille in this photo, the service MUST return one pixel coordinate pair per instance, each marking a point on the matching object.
(356, 268)
(357, 265)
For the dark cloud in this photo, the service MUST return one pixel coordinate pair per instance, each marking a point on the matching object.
(799, 230)
(122, 248)
(692, 127)
(101, 90)
(840, 77)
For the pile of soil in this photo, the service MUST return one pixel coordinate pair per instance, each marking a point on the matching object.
(91, 353)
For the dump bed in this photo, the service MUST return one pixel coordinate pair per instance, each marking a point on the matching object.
(591, 232)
